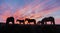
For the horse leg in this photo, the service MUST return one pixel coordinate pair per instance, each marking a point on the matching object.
(34, 22)
(53, 22)
(42, 23)
(45, 22)
(23, 22)
(19, 22)
(28, 22)
(12, 22)
(7, 22)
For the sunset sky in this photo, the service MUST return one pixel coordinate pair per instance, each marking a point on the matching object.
(36, 9)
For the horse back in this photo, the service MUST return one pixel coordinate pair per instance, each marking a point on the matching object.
(20, 20)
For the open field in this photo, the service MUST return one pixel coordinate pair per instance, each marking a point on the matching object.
(29, 28)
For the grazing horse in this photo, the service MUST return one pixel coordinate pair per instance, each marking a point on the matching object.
(47, 19)
(21, 21)
(39, 22)
(30, 20)
(10, 19)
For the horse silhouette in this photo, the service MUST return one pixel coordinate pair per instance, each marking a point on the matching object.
(10, 19)
(21, 21)
(39, 22)
(47, 19)
(30, 20)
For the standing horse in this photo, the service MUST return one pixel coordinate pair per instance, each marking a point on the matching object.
(21, 21)
(47, 19)
(10, 19)
(30, 20)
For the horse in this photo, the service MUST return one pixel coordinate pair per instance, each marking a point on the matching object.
(30, 20)
(10, 19)
(47, 19)
(39, 22)
(20, 21)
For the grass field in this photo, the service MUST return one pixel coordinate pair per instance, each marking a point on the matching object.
(29, 28)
